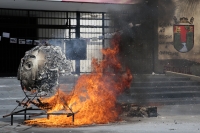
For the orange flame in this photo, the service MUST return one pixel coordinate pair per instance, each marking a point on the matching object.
(94, 97)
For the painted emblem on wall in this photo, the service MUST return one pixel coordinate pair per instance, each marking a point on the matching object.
(183, 34)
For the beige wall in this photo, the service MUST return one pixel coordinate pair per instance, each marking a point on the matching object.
(166, 53)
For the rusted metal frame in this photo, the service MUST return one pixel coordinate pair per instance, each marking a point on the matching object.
(25, 113)
(14, 113)
(67, 114)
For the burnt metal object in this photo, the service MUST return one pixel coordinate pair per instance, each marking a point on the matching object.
(67, 114)
(41, 107)
(19, 113)
(133, 110)
(38, 72)
(152, 112)
(40, 68)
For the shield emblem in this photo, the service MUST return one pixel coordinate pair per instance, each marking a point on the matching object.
(183, 37)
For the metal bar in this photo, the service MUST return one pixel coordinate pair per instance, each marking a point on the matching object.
(77, 67)
(11, 120)
(26, 103)
(17, 106)
(14, 112)
(77, 62)
(39, 101)
(103, 30)
(28, 113)
(70, 29)
(78, 25)
(24, 114)
(33, 109)
(73, 118)
(36, 114)
(69, 114)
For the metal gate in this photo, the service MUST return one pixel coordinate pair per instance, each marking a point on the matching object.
(23, 29)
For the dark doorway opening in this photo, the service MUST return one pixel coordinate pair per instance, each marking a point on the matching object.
(11, 50)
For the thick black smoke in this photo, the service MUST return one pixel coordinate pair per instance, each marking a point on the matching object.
(139, 25)
(137, 41)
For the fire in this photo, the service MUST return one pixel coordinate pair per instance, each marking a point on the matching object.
(94, 97)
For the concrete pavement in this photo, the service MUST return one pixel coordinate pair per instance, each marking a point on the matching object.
(171, 118)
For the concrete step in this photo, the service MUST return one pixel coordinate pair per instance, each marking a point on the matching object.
(164, 89)
(161, 89)
(9, 80)
(169, 94)
(165, 83)
(167, 78)
(161, 101)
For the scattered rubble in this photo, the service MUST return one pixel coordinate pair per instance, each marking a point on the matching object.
(132, 110)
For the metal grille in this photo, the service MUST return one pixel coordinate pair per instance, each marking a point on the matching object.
(55, 27)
